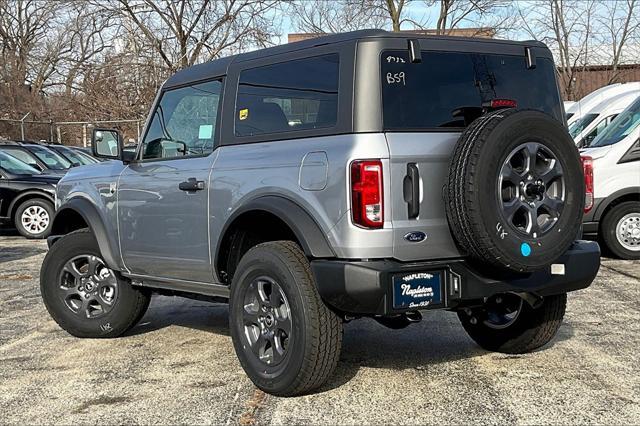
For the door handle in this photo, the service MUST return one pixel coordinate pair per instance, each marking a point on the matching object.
(411, 190)
(191, 184)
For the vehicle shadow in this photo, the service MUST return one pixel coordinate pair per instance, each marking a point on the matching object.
(165, 311)
(9, 253)
(439, 338)
(6, 231)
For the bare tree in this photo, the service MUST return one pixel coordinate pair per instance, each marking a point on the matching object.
(91, 33)
(619, 24)
(187, 32)
(566, 26)
(582, 33)
(453, 14)
(394, 9)
(29, 50)
(321, 16)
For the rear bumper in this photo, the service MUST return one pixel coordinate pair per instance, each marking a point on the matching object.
(590, 229)
(364, 287)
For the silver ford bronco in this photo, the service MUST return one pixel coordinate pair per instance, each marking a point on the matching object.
(366, 174)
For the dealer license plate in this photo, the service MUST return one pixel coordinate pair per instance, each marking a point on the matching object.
(417, 290)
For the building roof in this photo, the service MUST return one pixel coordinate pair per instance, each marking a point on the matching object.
(482, 32)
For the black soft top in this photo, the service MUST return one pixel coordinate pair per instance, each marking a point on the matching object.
(219, 67)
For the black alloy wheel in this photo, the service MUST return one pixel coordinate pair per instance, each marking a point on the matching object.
(531, 189)
(267, 321)
(89, 289)
(83, 294)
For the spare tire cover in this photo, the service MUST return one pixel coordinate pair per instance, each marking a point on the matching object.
(515, 190)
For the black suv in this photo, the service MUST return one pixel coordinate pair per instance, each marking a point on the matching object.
(37, 156)
(26, 197)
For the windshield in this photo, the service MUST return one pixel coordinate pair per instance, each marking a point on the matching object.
(16, 167)
(73, 156)
(578, 126)
(620, 127)
(450, 89)
(87, 158)
(50, 158)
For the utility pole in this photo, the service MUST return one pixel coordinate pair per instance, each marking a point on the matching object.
(22, 125)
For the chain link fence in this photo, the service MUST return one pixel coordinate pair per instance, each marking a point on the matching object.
(74, 133)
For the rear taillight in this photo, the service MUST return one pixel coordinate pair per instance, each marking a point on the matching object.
(366, 193)
(587, 168)
(501, 103)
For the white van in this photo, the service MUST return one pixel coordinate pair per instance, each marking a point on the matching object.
(584, 105)
(612, 175)
(567, 106)
(585, 130)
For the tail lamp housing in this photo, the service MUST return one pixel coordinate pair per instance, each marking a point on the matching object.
(500, 103)
(367, 205)
(587, 168)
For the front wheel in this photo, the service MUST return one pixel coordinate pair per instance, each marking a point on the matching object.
(508, 324)
(84, 296)
(287, 340)
(34, 218)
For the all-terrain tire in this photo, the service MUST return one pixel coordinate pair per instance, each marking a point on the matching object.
(533, 328)
(126, 309)
(473, 204)
(629, 213)
(313, 349)
(45, 218)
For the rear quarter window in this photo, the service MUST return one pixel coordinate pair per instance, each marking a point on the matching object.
(440, 90)
(289, 96)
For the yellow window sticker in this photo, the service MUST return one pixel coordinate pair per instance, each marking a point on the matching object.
(244, 114)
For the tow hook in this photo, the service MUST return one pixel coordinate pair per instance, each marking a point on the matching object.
(397, 322)
(414, 316)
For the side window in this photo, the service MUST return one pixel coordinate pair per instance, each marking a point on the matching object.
(22, 156)
(289, 96)
(184, 122)
(597, 130)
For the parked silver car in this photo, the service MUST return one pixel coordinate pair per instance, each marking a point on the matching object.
(360, 174)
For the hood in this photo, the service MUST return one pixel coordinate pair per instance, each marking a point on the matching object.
(597, 152)
(54, 172)
(102, 169)
(51, 179)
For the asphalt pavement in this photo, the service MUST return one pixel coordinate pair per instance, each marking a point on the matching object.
(178, 365)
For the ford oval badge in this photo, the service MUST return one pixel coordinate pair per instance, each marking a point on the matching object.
(415, 237)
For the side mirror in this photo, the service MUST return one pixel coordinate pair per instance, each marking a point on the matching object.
(106, 143)
(173, 148)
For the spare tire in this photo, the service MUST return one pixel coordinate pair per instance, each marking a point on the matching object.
(515, 192)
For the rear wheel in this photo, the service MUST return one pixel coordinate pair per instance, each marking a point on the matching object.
(34, 218)
(84, 296)
(621, 230)
(508, 324)
(286, 338)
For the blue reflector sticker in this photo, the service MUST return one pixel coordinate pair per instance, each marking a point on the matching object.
(525, 249)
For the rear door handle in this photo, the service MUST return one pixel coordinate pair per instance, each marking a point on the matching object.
(411, 190)
(191, 184)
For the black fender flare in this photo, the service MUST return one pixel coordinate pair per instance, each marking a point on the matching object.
(307, 231)
(107, 242)
(21, 197)
(602, 206)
